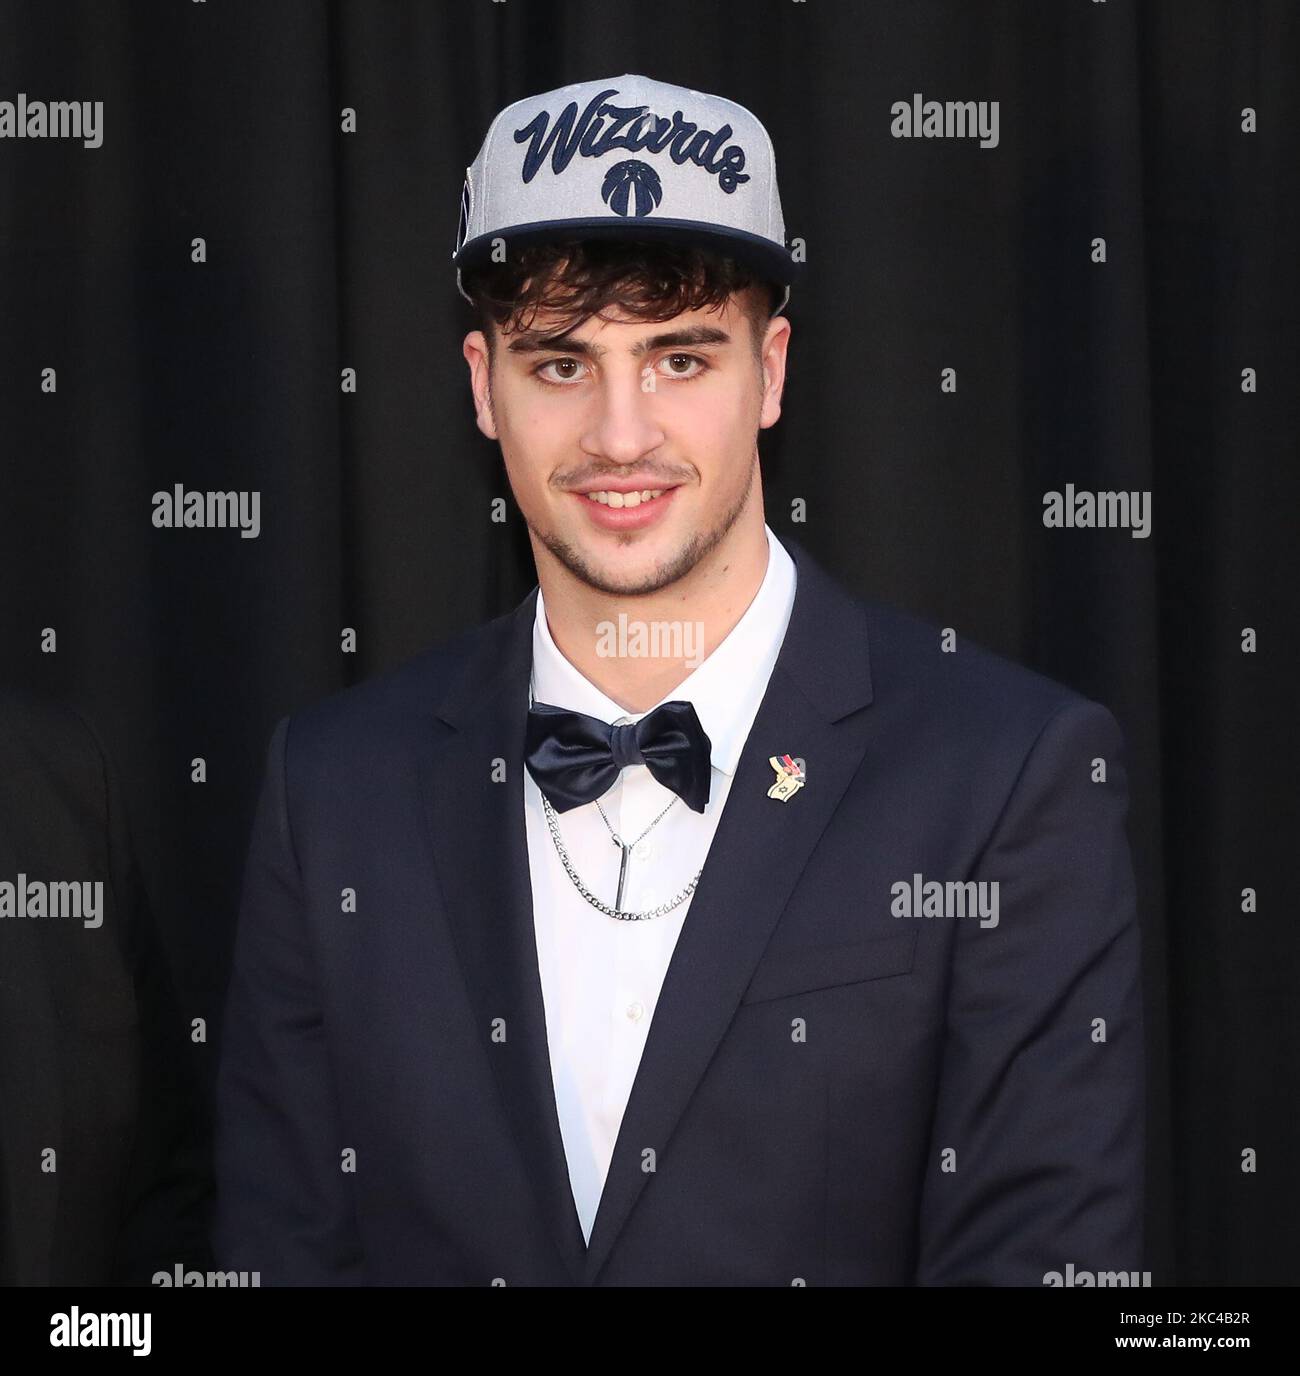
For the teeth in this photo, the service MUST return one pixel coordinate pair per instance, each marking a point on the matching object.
(619, 499)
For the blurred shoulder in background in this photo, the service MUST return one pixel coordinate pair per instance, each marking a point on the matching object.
(104, 1135)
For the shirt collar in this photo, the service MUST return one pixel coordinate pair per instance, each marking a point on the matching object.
(725, 689)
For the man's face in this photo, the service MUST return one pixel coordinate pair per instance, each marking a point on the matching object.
(625, 407)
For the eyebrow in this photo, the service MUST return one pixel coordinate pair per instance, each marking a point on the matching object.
(695, 336)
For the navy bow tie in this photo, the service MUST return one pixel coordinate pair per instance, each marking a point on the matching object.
(575, 758)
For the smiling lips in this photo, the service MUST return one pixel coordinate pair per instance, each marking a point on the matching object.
(622, 512)
(608, 497)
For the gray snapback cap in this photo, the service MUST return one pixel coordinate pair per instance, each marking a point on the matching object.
(626, 158)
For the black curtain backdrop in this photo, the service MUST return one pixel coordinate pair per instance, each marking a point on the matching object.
(328, 250)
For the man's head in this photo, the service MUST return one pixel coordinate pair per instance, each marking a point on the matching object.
(610, 365)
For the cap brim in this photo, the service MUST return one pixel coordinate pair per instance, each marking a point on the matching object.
(760, 255)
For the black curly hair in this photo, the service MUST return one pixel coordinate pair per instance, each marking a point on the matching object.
(646, 279)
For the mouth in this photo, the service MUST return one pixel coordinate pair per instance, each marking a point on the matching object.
(613, 497)
(613, 509)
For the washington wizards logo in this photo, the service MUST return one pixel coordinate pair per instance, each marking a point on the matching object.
(462, 228)
(632, 188)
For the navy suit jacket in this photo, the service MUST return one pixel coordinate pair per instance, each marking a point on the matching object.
(830, 1093)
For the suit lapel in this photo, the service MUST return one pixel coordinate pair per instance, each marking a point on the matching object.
(481, 852)
(811, 708)
(820, 680)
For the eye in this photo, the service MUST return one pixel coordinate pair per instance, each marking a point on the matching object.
(675, 359)
(561, 363)
(568, 370)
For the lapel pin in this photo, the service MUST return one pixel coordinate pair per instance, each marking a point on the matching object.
(789, 777)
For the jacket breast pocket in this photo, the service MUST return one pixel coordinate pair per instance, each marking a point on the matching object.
(805, 969)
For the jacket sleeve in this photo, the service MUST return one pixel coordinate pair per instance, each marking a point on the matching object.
(1037, 1149)
(284, 1206)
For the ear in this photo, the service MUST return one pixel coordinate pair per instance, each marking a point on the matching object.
(476, 355)
(775, 343)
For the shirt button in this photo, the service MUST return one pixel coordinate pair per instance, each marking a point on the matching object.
(636, 1011)
(643, 850)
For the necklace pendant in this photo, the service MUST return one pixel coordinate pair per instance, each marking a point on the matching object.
(622, 874)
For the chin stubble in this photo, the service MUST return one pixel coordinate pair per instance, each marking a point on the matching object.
(698, 547)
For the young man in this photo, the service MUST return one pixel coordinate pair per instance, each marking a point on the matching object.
(694, 923)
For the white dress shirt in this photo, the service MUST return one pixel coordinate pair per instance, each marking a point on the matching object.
(601, 975)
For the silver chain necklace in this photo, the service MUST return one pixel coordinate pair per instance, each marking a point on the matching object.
(553, 827)
(625, 847)
(591, 898)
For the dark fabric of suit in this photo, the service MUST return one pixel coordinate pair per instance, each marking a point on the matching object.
(949, 1115)
(92, 1043)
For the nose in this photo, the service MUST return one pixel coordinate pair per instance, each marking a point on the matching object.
(623, 426)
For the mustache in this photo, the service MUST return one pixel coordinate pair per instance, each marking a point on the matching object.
(641, 477)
